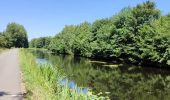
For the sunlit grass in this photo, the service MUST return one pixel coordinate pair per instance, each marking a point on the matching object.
(42, 81)
(2, 49)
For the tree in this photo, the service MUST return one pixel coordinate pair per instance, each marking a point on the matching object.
(63, 42)
(137, 35)
(145, 13)
(17, 35)
(2, 40)
(42, 42)
(81, 43)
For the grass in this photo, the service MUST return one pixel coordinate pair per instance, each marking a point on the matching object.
(2, 49)
(42, 81)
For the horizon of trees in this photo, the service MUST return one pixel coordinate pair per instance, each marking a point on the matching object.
(15, 35)
(139, 35)
(41, 42)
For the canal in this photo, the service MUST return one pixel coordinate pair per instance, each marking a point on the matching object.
(117, 81)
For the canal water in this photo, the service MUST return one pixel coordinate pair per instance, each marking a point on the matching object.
(117, 81)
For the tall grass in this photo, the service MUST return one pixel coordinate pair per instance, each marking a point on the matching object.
(42, 81)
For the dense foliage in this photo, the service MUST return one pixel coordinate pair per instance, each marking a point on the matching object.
(15, 35)
(138, 35)
(41, 42)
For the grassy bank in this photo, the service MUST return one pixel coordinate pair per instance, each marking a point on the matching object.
(42, 81)
(2, 49)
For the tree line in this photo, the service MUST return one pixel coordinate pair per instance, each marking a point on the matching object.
(139, 35)
(15, 35)
(41, 42)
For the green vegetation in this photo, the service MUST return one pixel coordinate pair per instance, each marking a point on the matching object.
(139, 35)
(42, 81)
(15, 35)
(41, 42)
(126, 82)
(2, 49)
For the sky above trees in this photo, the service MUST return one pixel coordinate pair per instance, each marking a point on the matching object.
(48, 17)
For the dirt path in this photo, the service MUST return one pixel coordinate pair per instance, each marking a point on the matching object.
(10, 79)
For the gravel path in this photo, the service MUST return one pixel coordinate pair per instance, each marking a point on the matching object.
(10, 78)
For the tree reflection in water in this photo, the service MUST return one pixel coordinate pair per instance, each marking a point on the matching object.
(123, 82)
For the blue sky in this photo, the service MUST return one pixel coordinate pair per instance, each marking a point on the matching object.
(48, 17)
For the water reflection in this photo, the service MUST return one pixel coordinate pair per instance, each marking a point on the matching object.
(42, 61)
(121, 82)
(73, 86)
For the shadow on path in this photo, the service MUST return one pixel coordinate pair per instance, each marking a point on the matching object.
(3, 93)
(17, 95)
